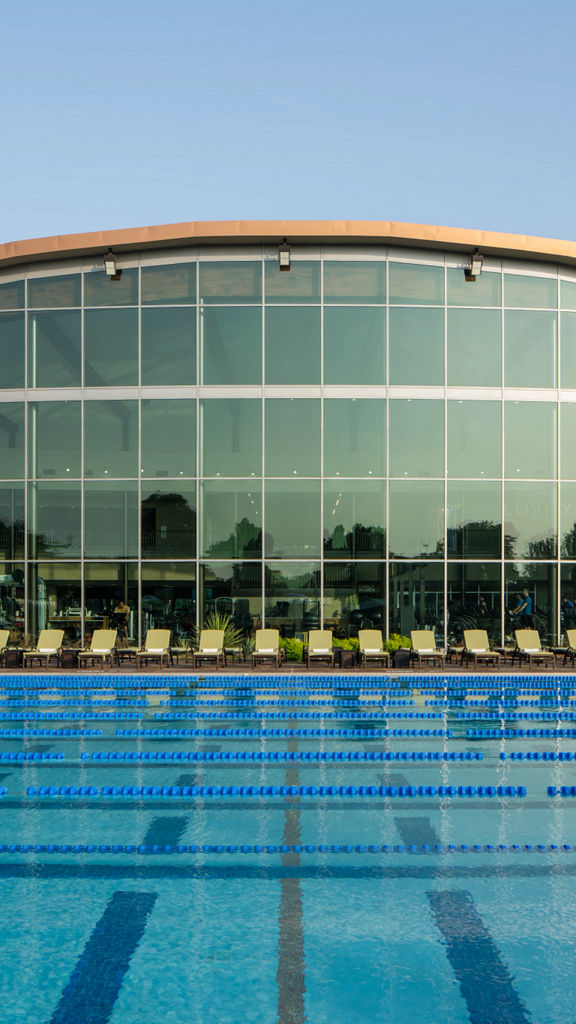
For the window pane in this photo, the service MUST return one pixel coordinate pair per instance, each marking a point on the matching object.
(292, 437)
(529, 349)
(568, 520)
(567, 435)
(168, 437)
(12, 600)
(355, 519)
(414, 285)
(231, 346)
(231, 519)
(55, 349)
(568, 350)
(540, 582)
(232, 588)
(168, 521)
(54, 599)
(486, 290)
(416, 346)
(54, 434)
(168, 346)
(475, 347)
(231, 437)
(530, 439)
(105, 585)
(568, 592)
(301, 284)
(417, 598)
(416, 437)
(169, 284)
(110, 347)
(54, 520)
(50, 292)
(474, 438)
(12, 440)
(292, 597)
(533, 292)
(12, 521)
(354, 281)
(354, 437)
(12, 349)
(416, 519)
(100, 290)
(354, 345)
(12, 295)
(292, 345)
(474, 600)
(474, 519)
(568, 294)
(354, 597)
(292, 518)
(230, 283)
(530, 520)
(111, 438)
(111, 520)
(169, 599)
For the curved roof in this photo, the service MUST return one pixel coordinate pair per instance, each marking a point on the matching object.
(266, 232)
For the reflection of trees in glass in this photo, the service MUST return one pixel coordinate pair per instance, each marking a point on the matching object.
(481, 538)
(11, 536)
(168, 524)
(359, 539)
(569, 543)
(246, 539)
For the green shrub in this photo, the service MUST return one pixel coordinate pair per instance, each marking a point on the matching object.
(294, 648)
(349, 643)
(395, 641)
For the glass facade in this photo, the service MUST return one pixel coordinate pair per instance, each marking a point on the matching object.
(367, 440)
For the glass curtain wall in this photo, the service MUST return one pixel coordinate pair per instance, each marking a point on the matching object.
(326, 446)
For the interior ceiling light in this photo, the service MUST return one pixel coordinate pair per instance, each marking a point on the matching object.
(284, 255)
(475, 268)
(110, 266)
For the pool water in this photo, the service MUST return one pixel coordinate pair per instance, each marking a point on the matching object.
(204, 872)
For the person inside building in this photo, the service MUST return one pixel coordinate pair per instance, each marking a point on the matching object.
(523, 610)
(121, 617)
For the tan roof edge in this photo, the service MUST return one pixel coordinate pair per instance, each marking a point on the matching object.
(311, 232)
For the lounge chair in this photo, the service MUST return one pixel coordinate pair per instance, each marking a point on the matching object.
(4, 638)
(529, 648)
(477, 648)
(156, 647)
(103, 646)
(320, 646)
(210, 648)
(49, 646)
(569, 651)
(267, 647)
(370, 647)
(424, 648)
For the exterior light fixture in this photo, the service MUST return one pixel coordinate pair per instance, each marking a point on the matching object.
(110, 266)
(475, 268)
(284, 255)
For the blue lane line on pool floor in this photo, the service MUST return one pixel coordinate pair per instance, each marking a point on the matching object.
(94, 985)
(484, 979)
(165, 831)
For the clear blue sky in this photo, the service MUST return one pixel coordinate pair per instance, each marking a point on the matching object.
(136, 112)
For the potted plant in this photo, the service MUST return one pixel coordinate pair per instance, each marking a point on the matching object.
(399, 648)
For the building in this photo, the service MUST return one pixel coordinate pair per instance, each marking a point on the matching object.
(366, 438)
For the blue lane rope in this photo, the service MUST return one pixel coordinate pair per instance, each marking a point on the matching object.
(357, 733)
(264, 792)
(553, 734)
(277, 755)
(143, 849)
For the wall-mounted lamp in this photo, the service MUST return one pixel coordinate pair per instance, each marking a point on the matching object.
(284, 255)
(475, 268)
(110, 266)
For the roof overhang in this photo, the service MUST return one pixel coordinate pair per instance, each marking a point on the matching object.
(298, 232)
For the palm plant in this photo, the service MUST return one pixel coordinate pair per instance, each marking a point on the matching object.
(233, 637)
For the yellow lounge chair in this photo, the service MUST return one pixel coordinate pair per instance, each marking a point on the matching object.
(4, 638)
(370, 647)
(477, 648)
(320, 646)
(267, 647)
(424, 647)
(156, 647)
(570, 650)
(49, 646)
(529, 648)
(210, 648)
(103, 646)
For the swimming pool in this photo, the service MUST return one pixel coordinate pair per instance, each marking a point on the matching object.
(287, 848)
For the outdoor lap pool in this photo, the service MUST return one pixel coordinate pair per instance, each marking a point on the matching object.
(287, 848)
